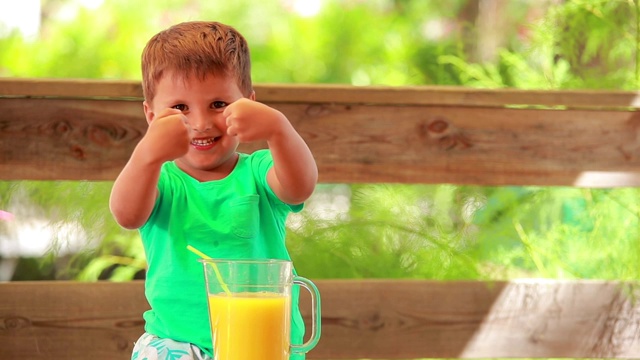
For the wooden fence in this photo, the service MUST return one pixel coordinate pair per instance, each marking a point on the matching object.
(86, 130)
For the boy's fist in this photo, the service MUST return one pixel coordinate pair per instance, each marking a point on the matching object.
(251, 121)
(168, 136)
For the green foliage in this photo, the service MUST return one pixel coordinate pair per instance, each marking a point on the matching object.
(395, 231)
(454, 232)
(83, 206)
(121, 259)
(560, 233)
(579, 44)
(388, 231)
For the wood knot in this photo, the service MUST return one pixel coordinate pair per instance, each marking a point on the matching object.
(104, 135)
(446, 136)
(326, 109)
(14, 323)
(130, 324)
(78, 152)
(62, 127)
(373, 322)
(122, 344)
(438, 126)
(316, 110)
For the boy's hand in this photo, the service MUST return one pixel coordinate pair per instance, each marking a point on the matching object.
(294, 174)
(252, 121)
(167, 137)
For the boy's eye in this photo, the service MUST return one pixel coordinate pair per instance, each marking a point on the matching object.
(181, 107)
(218, 104)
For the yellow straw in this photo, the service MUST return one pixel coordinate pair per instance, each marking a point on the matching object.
(215, 268)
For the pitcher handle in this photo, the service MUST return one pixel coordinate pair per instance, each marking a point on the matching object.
(316, 315)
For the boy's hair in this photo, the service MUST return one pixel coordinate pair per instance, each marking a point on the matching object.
(196, 48)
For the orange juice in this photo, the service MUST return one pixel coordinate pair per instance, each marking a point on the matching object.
(250, 326)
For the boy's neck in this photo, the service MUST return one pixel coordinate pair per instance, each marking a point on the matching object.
(204, 175)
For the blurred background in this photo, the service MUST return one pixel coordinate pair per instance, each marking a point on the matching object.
(63, 230)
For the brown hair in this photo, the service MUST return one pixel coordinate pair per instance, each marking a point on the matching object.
(196, 48)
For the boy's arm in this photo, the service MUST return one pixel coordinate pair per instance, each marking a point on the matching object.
(294, 174)
(135, 190)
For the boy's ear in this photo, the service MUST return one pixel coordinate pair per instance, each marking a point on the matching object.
(148, 113)
(253, 95)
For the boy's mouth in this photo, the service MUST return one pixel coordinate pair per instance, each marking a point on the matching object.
(204, 143)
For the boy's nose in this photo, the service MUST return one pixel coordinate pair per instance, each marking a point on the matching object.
(200, 122)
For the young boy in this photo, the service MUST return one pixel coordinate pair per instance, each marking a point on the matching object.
(185, 183)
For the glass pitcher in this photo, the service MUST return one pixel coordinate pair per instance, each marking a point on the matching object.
(250, 309)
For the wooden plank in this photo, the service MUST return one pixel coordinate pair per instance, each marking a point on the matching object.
(374, 319)
(340, 94)
(70, 88)
(63, 320)
(382, 319)
(72, 139)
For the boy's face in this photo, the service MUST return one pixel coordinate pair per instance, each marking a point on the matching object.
(212, 152)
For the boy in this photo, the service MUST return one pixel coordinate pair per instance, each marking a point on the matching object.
(185, 184)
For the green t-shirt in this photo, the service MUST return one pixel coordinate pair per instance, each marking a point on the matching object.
(238, 217)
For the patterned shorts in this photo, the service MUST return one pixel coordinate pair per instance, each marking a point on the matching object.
(151, 347)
